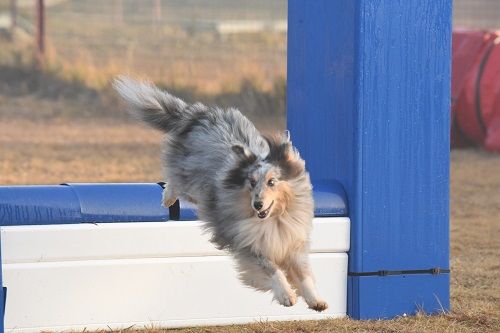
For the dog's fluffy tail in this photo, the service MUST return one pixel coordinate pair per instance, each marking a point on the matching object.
(157, 108)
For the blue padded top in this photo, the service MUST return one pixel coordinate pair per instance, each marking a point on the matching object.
(184, 211)
(80, 203)
(38, 204)
(120, 202)
(329, 200)
(89, 203)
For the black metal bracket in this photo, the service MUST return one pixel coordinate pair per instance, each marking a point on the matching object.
(433, 271)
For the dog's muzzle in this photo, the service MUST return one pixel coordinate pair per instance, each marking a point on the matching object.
(264, 213)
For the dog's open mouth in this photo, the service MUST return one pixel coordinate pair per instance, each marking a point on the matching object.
(263, 213)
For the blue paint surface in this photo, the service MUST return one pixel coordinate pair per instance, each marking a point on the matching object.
(188, 211)
(368, 104)
(38, 204)
(396, 295)
(329, 199)
(3, 300)
(120, 202)
(403, 99)
(80, 203)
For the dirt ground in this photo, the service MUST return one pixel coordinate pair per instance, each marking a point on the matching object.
(105, 150)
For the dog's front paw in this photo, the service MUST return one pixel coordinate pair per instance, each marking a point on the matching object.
(318, 305)
(168, 197)
(167, 202)
(286, 298)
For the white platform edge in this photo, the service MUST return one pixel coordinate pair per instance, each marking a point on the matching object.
(46, 243)
(89, 277)
(161, 292)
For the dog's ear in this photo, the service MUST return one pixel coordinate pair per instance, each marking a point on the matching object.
(239, 150)
(284, 155)
(287, 136)
(244, 153)
(236, 177)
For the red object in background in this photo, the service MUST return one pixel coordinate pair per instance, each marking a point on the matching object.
(475, 89)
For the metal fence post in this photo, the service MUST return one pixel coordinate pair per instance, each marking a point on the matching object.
(40, 29)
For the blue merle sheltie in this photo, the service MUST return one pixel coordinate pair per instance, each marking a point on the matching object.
(252, 190)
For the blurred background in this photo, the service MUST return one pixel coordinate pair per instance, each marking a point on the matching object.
(61, 122)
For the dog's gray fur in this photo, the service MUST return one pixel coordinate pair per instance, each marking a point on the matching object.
(219, 160)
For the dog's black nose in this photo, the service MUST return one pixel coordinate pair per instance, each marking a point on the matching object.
(258, 205)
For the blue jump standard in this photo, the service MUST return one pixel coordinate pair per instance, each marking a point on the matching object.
(368, 104)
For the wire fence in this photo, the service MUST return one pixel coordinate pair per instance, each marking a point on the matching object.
(208, 45)
(211, 45)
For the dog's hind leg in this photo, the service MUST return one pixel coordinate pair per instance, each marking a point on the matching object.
(169, 196)
(302, 278)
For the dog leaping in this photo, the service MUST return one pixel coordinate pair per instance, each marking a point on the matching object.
(252, 191)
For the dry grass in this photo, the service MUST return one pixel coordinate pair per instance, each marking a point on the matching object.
(80, 152)
(54, 151)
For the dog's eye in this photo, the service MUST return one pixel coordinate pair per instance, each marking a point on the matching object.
(253, 182)
(271, 182)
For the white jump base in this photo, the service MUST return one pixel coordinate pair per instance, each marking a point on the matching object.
(162, 274)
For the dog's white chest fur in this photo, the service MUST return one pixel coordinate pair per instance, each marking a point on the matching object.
(273, 238)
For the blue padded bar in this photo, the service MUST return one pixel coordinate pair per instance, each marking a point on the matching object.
(188, 211)
(84, 203)
(38, 204)
(120, 202)
(80, 203)
(329, 200)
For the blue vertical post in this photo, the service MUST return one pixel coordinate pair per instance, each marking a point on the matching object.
(368, 104)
